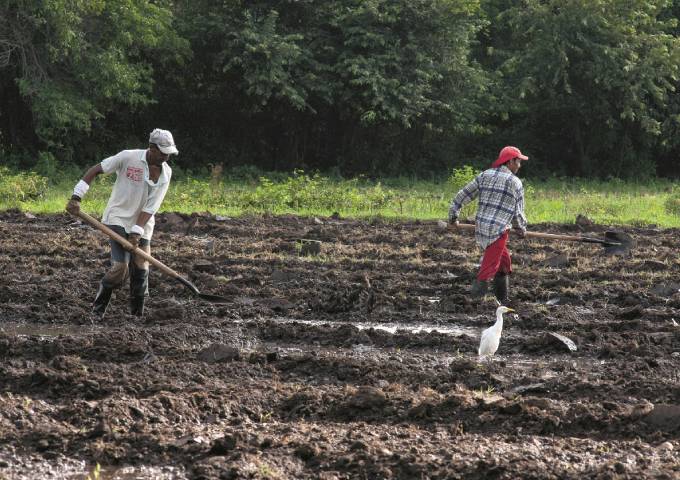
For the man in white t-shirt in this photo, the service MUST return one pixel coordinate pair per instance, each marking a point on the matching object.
(143, 177)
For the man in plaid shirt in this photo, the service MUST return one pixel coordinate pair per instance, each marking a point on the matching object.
(501, 204)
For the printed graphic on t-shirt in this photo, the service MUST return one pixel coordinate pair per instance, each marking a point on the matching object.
(135, 174)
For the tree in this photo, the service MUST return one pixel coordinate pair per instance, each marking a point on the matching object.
(590, 80)
(74, 62)
(354, 83)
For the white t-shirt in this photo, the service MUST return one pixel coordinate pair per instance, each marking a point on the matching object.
(133, 191)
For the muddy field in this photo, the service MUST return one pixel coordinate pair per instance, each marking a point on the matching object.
(358, 361)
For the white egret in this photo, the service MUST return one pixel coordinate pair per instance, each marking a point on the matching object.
(491, 337)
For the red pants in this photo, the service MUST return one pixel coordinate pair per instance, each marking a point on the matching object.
(496, 259)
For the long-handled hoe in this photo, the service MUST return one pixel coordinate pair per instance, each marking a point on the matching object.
(614, 243)
(158, 264)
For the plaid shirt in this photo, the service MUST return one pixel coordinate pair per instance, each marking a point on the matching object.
(501, 203)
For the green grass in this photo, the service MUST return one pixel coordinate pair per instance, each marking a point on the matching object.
(615, 202)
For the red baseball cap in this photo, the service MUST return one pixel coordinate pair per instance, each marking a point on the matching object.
(507, 154)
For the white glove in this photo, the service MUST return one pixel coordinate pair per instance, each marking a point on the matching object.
(137, 230)
(81, 189)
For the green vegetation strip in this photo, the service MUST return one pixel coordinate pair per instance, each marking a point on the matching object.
(238, 193)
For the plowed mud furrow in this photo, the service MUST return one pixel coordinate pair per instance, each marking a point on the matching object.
(357, 361)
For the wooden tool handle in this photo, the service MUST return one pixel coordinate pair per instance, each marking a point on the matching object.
(127, 245)
(549, 236)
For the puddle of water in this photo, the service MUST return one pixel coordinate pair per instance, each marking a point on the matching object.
(24, 467)
(135, 473)
(47, 331)
(524, 362)
(394, 327)
(361, 348)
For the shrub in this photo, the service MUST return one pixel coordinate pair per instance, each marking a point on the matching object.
(55, 172)
(458, 179)
(672, 203)
(304, 192)
(461, 176)
(19, 187)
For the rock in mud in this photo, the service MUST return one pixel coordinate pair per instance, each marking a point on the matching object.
(631, 313)
(653, 265)
(666, 446)
(664, 416)
(567, 342)
(491, 399)
(5, 345)
(541, 403)
(100, 429)
(279, 305)
(463, 365)
(281, 276)
(458, 400)
(68, 363)
(512, 408)
(306, 451)
(272, 356)
(367, 398)
(583, 221)
(665, 289)
(532, 387)
(557, 261)
(219, 352)
(302, 403)
(640, 410)
(172, 312)
(205, 267)
(224, 445)
(358, 445)
(422, 410)
(172, 221)
(263, 357)
(452, 303)
(309, 247)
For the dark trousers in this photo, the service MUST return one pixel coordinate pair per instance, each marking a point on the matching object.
(124, 265)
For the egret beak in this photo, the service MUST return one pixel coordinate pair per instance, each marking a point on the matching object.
(510, 309)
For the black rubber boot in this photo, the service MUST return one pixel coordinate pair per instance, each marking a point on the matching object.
(101, 301)
(501, 285)
(479, 288)
(137, 306)
(139, 286)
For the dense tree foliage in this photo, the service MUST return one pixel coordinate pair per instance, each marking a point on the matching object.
(361, 86)
(72, 63)
(589, 80)
(357, 85)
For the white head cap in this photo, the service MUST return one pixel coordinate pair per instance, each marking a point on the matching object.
(163, 139)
